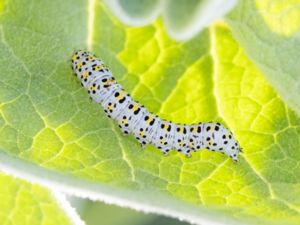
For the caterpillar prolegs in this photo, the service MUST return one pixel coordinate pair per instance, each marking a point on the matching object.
(147, 128)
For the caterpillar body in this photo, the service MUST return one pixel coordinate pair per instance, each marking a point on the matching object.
(146, 127)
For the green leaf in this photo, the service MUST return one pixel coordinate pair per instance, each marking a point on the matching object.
(25, 203)
(48, 120)
(269, 32)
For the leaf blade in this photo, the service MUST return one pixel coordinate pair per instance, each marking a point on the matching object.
(49, 121)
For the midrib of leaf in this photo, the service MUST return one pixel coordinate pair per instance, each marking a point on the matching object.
(91, 19)
(214, 56)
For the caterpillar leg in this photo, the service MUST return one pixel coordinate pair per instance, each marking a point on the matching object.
(166, 152)
(142, 142)
(143, 145)
(188, 153)
(164, 149)
(124, 129)
(234, 158)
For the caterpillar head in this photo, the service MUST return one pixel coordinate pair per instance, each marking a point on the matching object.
(77, 59)
(79, 65)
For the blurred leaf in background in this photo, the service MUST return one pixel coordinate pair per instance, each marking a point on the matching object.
(48, 125)
(94, 212)
(183, 19)
(27, 204)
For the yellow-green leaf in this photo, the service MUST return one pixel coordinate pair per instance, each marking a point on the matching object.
(47, 118)
(269, 32)
(28, 204)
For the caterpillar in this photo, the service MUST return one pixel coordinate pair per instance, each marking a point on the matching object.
(147, 128)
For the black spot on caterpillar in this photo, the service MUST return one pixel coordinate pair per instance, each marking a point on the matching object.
(146, 127)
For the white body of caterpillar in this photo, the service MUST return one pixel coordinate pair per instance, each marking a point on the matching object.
(146, 127)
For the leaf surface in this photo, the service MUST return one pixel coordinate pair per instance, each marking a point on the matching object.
(48, 120)
(269, 32)
(25, 203)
